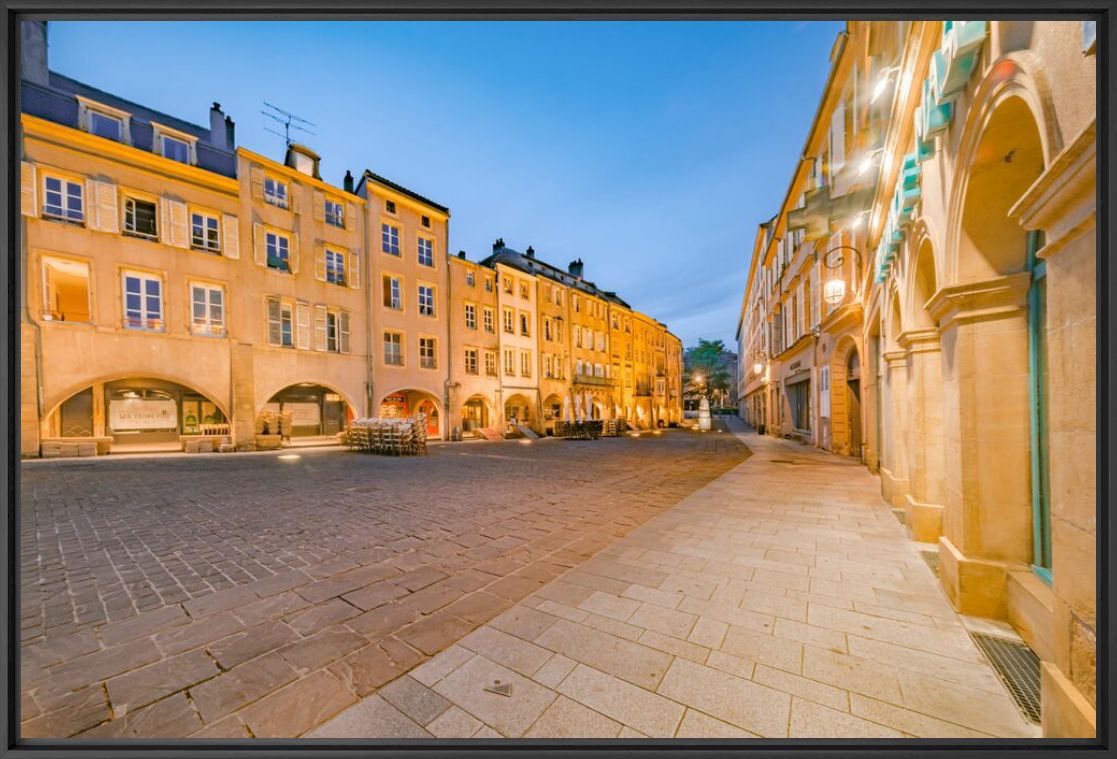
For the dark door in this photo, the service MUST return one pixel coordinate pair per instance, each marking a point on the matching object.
(854, 418)
(333, 416)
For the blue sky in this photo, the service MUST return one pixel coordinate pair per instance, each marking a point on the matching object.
(651, 150)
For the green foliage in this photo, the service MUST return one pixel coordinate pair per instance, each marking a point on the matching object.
(706, 375)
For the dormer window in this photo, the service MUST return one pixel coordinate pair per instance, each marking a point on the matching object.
(275, 192)
(103, 125)
(426, 220)
(390, 206)
(104, 121)
(174, 145)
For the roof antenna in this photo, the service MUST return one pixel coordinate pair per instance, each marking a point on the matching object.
(288, 120)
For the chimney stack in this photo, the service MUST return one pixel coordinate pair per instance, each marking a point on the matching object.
(461, 254)
(347, 183)
(499, 244)
(530, 252)
(33, 52)
(230, 134)
(218, 131)
(575, 268)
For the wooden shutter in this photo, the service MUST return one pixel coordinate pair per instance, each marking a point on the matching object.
(230, 230)
(343, 331)
(108, 217)
(164, 229)
(319, 260)
(259, 244)
(319, 206)
(302, 324)
(319, 327)
(256, 176)
(350, 216)
(353, 265)
(28, 189)
(294, 197)
(272, 321)
(180, 224)
(294, 253)
(89, 203)
(816, 310)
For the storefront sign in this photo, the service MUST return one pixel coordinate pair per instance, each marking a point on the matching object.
(143, 414)
(303, 414)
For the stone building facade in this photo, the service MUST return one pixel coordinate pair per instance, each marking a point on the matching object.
(930, 271)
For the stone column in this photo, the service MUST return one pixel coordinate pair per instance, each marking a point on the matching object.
(926, 457)
(243, 402)
(987, 520)
(894, 466)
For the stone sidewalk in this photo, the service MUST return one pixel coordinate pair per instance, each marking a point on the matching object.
(783, 599)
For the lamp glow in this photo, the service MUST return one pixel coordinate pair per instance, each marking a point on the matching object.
(758, 367)
(834, 291)
(865, 165)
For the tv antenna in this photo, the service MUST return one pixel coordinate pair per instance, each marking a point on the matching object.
(288, 120)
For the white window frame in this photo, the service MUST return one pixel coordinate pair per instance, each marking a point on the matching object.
(269, 236)
(334, 211)
(396, 343)
(472, 366)
(426, 308)
(208, 326)
(65, 213)
(428, 352)
(489, 320)
(273, 196)
(389, 239)
(144, 318)
(132, 200)
(338, 267)
(205, 246)
(425, 252)
(470, 316)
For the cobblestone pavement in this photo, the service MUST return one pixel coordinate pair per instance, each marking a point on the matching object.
(260, 595)
(781, 600)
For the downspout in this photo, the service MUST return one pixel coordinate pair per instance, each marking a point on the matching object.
(449, 300)
(369, 395)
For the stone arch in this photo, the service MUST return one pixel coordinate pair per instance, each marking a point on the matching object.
(846, 430)
(53, 400)
(922, 284)
(1009, 135)
(278, 387)
(478, 412)
(409, 401)
(328, 415)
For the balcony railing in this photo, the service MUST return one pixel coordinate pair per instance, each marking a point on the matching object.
(589, 379)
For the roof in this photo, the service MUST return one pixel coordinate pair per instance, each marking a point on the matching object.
(73, 86)
(401, 189)
(532, 265)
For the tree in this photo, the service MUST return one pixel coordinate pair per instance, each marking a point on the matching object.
(707, 375)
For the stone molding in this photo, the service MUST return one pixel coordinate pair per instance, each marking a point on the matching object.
(919, 341)
(980, 301)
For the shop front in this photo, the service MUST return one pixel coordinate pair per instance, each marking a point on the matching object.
(406, 404)
(310, 410)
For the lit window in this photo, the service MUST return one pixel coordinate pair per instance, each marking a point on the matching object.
(393, 348)
(279, 252)
(139, 218)
(143, 301)
(426, 300)
(335, 213)
(427, 353)
(62, 199)
(275, 192)
(207, 310)
(389, 239)
(66, 291)
(203, 232)
(335, 267)
(103, 125)
(426, 252)
(176, 150)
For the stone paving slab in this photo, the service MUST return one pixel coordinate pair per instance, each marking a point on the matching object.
(775, 601)
(239, 596)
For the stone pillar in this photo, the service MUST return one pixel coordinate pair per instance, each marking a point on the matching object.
(987, 520)
(243, 403)
(30, 408)
(926, 456)
(100, 413)
(894, 466)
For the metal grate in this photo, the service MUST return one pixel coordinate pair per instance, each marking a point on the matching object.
(1018, 667)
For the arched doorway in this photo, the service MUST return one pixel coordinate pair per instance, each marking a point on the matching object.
(552, 411)
(853, 402)
(475, 414)
(305, 410)
(136, 414)
(408, 403)
(517, 410)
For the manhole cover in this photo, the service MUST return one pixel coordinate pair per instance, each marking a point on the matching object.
(1018, 667)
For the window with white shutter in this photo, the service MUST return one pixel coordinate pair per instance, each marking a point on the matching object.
(302, 318)
(319, 327)
(353, 275)
(29, 197)
(231, 229)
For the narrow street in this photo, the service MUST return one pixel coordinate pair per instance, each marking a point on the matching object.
(782, 599)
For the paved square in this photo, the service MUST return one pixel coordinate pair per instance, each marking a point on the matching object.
(253, 595)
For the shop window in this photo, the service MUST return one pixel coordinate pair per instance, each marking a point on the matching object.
(139, 218)
(798, 398)
(66, 291)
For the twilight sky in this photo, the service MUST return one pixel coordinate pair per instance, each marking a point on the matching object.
(649, 149)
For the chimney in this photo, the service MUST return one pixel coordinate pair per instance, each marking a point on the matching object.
(230, 134)
(499, 244)
(530, 252)
(33, 52)
(575, 268)
(218, 132)
(461, 254)
(347, 183)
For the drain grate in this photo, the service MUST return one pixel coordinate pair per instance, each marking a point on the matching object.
(932, 559)
(1018, 667)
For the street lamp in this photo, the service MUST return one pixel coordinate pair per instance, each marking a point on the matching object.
(835, 289)
(871, 159)
(882, 82)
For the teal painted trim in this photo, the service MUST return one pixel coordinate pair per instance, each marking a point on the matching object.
(1043, 573)
(1040, 482)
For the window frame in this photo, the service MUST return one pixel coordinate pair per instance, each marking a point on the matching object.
(279, 200)
(390, 246)
(47, 312)
(207, 215)
(209, 287)
(65, 183)
(428, 260)
(340, 267)
(268, 234)
(428, 344)
(132, 198)
(430, 309)
(143, 277)
(397, 342)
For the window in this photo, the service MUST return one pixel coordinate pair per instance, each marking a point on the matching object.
(470, 316)
(578, 367)
(488, 316)
(389, 239)
(426, 300)
(275, 192)
(525, 363)
(393, 293)
(509, 321)
(469, 279)
(104, 125)
(62, 200)
(525, 324)
(390, 206)
(203, 232)
(207, 310)
(488, 284)
(139, 218)
(577, 338)
(576, 301)
(471, 361)
(66, 291)
(279, 251)
(426, 252)
(337, 331)
(546, 328)
(508, 285)
(490, 363)
(524, 290)
(393, 348)
(425, 221)
(176, 149)
(335, 213)
(280, 324)
(509, 362)
(335, 267)
(426, 353)
(143, 301)
(548, 372)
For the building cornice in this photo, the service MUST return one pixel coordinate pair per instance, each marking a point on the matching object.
(919, 340)
(980, 301)
(296, 175)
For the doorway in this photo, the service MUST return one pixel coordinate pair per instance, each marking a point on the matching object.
(853, 385)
